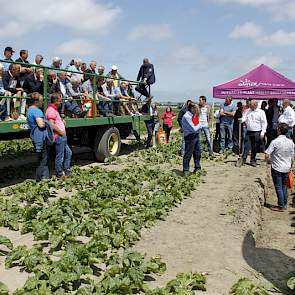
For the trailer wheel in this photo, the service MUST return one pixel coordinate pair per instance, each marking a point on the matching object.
(107, 144)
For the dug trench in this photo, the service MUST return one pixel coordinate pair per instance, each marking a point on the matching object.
(227, 231)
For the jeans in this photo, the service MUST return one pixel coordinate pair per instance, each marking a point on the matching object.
(182, 144)
(104, 108)
(116, 105)
(42, 171)
(279, 180)
(252, 141)
(208, 138)
(63, 156)
(150, 125)
(290, 133)
(70, 106)
(192, 148)
(226, 130)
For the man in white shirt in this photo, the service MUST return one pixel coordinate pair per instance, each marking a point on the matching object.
(204, 121)
(281, 153)
(288, 117)
(256, 123)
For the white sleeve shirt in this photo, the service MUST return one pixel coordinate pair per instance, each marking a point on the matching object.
(255, 120)
(288, 117)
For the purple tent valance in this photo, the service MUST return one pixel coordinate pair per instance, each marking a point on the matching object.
(260, 83)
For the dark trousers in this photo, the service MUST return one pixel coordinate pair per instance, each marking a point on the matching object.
(279, 180)
(116, 106)
(167, 131)
(252, 141)
(141, 88)
(271, 134)
(192, 148)
(42, 171)
(104, 107)
(150, 126)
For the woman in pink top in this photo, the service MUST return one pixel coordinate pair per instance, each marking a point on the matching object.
(168, 118)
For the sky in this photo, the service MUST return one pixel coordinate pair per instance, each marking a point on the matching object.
(194, 45)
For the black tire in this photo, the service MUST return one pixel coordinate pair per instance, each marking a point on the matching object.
(107, 144)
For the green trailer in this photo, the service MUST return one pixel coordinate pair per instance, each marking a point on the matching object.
(102, 134)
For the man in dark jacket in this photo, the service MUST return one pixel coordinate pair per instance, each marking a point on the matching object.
(53, 83)
(272, 115)
(146, 76)
(179, 120)
(34, 82)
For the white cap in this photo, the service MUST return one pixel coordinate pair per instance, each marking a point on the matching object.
(114, 68)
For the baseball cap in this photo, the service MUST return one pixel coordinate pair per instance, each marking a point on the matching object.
(114, 68)
(8, 48)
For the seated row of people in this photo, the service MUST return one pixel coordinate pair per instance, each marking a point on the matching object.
(113, 97)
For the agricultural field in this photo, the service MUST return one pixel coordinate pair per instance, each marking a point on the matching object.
(83, 234)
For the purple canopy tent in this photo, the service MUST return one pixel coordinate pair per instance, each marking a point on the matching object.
(260, 83)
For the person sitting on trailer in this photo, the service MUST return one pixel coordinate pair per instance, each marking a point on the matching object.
(3, 101)
(115, 76)
(74, 94)
(24, 69)
(8, 53)
(52, 82)
(34, 82)
(12, 84)
(146, 77)
(56, 63)
(104, 104)
(113, 93)
(76, 67)
(90, 70)
(129, 107)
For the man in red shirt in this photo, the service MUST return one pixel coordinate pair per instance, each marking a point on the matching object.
(63, 152)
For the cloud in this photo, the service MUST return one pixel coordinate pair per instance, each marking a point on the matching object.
(246, 30)
(154, 32)
(76, 48)
(268, 59)
(87, 16)
(250, 30)
(280, 9)
(188, 55)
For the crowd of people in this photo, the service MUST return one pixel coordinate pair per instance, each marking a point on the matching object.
(248, 130)
(114, 94)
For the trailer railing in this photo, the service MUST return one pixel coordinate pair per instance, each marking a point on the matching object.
(94, 99)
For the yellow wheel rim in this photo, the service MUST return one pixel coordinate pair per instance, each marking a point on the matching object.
(113, 144)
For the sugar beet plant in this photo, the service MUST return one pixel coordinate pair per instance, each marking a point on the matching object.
(84, 227)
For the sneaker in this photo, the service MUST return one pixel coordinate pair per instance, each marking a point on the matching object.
(132, 114)
(8, 119)
(138, 114)
(21, 118)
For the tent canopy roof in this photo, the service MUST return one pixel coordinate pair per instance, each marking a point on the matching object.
(260, 83)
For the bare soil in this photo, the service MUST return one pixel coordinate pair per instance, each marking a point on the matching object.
(224, 230)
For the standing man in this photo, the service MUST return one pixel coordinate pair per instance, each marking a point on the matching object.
(227, 113)
(41, 135)
(256, 123)
(63, 151)
(281, 153)
(272, 116)
(236, 131)
(288, 117)
(8, 53)
(205, 110)
(146, 77)
(191, 127)
(179, 120)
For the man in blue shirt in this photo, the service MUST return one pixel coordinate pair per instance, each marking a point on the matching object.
(190, 128)
(35, 118)
(227, 113)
